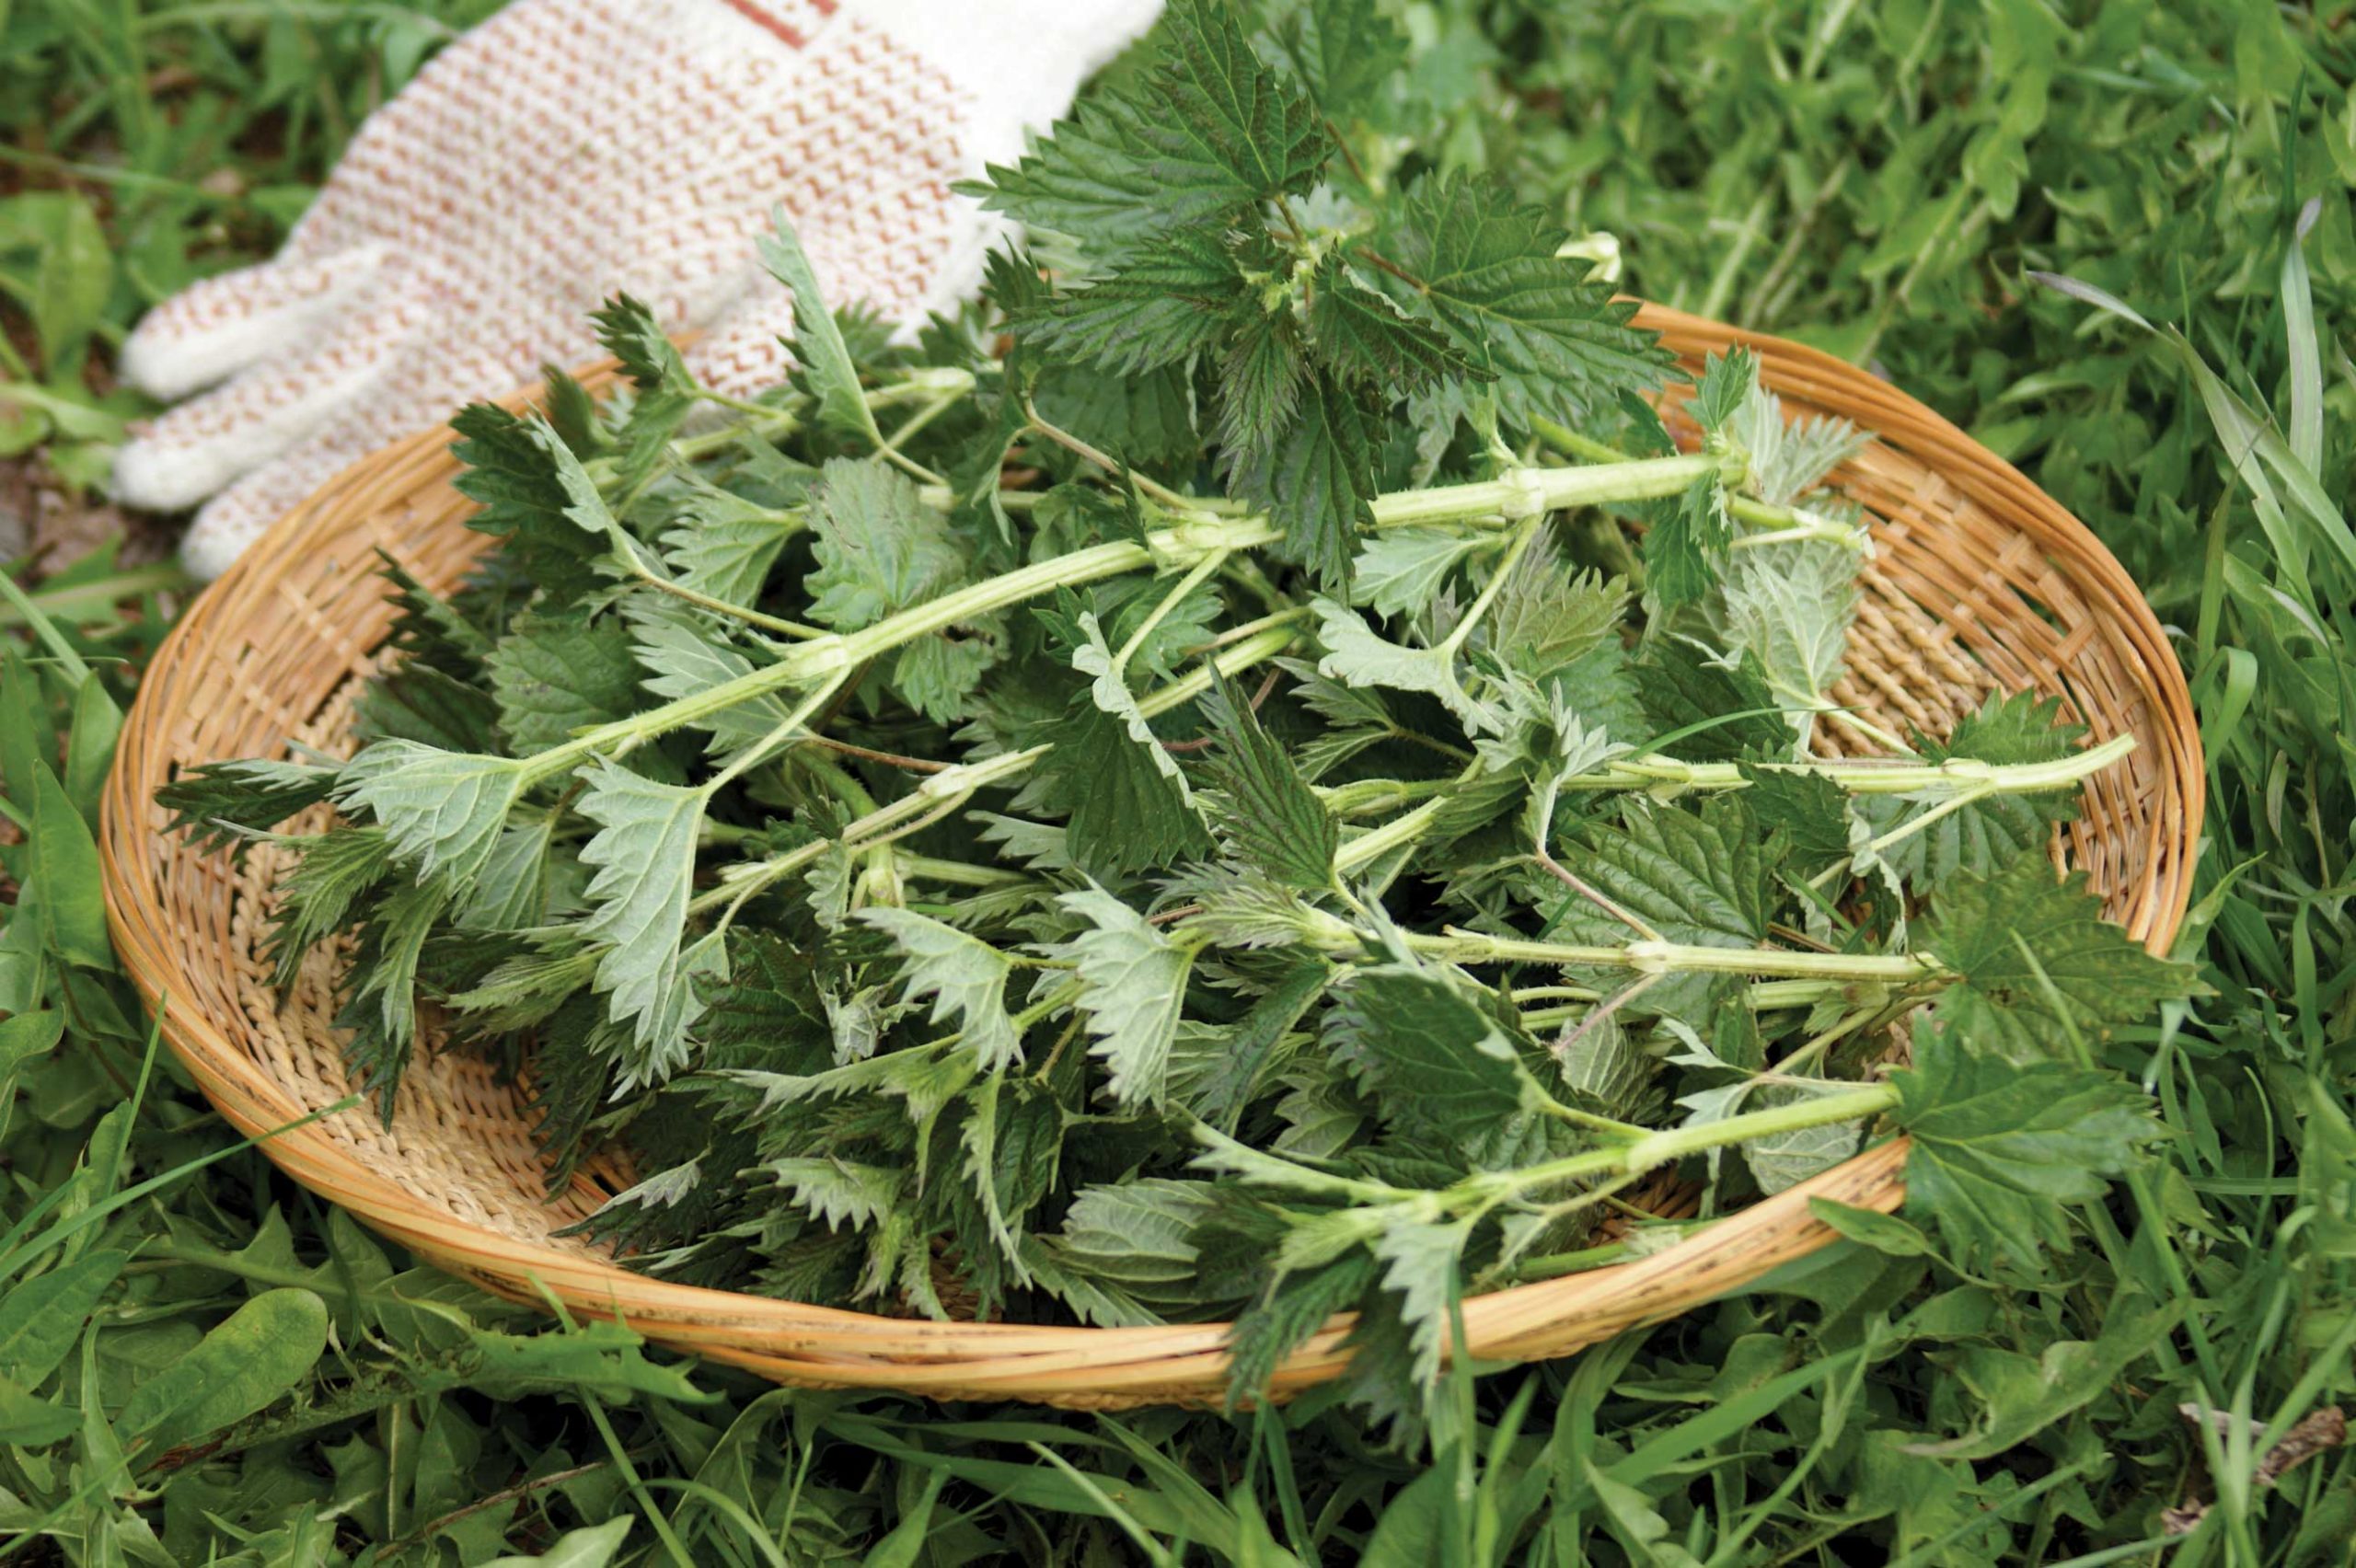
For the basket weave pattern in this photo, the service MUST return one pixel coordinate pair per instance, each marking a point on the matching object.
(1979, 582)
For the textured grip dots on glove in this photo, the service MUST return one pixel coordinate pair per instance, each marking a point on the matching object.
(567, 150)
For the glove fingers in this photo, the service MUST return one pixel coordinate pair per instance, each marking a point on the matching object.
(425, 386)
(195, 449)
(219, 325)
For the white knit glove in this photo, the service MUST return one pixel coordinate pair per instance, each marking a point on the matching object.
(568, 149)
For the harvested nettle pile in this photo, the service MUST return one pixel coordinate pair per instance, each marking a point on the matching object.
(1158, 801)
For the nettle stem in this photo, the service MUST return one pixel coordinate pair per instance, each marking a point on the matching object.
(1187, 543)
(1655, 1150)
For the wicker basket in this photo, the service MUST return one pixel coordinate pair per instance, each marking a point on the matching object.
(1979, 582)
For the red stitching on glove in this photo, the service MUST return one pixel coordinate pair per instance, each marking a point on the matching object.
(758, 14)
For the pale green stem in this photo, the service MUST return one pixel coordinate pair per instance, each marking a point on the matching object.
(1454, 642)
(1658, 958)
(1169, 601)
(1868, 777)
(1655, 1150)
(1743, 508)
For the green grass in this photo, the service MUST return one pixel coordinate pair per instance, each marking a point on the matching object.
(1879, 180)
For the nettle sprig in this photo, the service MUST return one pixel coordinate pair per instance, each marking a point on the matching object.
(1154, 802)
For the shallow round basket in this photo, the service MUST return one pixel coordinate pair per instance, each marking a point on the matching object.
(1980, 582)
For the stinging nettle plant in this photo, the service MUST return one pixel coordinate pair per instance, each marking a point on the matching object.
(1243, 776)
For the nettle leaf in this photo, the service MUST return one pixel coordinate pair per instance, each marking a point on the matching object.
(1159, 310)
(441, 810)
(1995, 830)
(1265, 812)
(964, 976)
(1809, 810)
(1100, 179)
(1687, 544)
(1788, 458)
(1225, 111)
(818, 346)
(840, 1194)
(1315, 474)
(879, 547)
(1109, 690)
(1349, 56)
(2035, 948)
(1124, 811)
(1134, 981)
(211, 800)
(316, 900)
(1720, 710)
(1999, 1147)
(1134, 1242)
(1367, 339)
(1436, 1064)
(1727, 381)
(1400, 569)
(684, 654)
(666, 392)
(1789, 607)
(725, 546)
(1260, 373)
(1356, 656)
(1484, 264)
(513, 471)
(1421, 1263)
(554, 676)
(1546, 615)
(645, 855)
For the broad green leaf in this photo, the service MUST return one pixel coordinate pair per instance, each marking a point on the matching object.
(40, 1319)
(682, 655)
(28, 1422)
(441, 810)
(1789, 607)
(1356, 656)
(1161, 309)
(879, 547)
(249, 1361)
(1728, 380)
(553, 677)
(1402, 570)
(645, 856)
(1686, 547)
(1999, 1147)
(1420, 1259)
(1135, 988)
(1134, 1242)
(2023, 1396)
(1315, 473)
(1436, 1062)
(964, 976)
(62, 864)
(594, 1547)
(1485, 265)
(2035, 949)
(725, 546)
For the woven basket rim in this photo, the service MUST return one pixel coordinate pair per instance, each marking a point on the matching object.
(1071, 1364)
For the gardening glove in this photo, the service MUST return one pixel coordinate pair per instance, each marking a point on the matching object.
(568, 149)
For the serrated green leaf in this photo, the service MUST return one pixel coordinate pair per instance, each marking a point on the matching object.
(644, 857)
(1400, 569)
(1356, 656)
(879, 547)
(1553, 339)
(1134, 1242)
(1265, 812)
(552, 677)
(818, 346)
(1420, 1260)
(1790, 608)
(964, 976)
(1999, 1147)
(1134, 981)
(1686, 545)
(1438, 1064)
(1365, 338)
(725, 546)
(1161, 309)
(1315, 474)
(2035, 946)
(441, 810)
(1727, 381)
